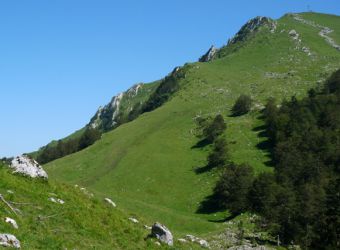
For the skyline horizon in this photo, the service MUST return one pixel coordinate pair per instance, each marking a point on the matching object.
(56, 83)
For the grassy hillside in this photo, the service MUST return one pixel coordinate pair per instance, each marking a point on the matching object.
(83, 222)
(148, 165)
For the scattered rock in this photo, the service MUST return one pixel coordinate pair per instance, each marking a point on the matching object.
(147, 227)
(323, 32)
(209, 55)
(294, 34)
(247, 247)
(29, 167)
(157, 243)
(182, 240)
(9, 240)
(54, 200)
(307, 51)
(12, 222)
(162, 233)
(191, 237)
(201, 242)
(110, 202)
(134, 220)
(10, 192)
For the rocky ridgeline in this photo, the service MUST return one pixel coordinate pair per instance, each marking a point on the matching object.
(109, 113)
(251, 27)
(28, 167)
(210, 55)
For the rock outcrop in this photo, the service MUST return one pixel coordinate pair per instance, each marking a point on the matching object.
(9, 240)
(210, 55)
(162, 234)
(108, 116)
(28, 167)
(253, 26)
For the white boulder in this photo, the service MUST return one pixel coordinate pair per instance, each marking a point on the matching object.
(9, 240)
(162, 233)
(29, 167)
(12, 222)
(110, 202)
(134, 220)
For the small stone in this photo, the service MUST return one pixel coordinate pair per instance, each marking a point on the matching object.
(203, 243)
(12, 222)
(134, 220)
(182, 240)
(109, 201)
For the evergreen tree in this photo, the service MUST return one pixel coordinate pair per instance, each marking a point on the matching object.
(242, 105)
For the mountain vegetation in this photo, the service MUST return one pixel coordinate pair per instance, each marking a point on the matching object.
(182, 142)
(82, 221)
(70, 146)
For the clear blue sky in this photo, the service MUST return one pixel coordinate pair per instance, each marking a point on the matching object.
(60, 60)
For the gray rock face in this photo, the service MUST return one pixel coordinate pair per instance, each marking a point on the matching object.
(107, 117)
(29, 167)
(209, 55)
(162, 233)
(9, 240)
(251, 27)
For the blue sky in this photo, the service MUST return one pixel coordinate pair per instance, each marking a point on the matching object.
(60, 60)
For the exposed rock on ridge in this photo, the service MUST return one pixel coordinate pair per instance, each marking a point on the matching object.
(107, 116)
(209, 55)
(251, 27)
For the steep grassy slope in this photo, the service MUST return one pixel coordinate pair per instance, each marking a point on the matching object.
(83, 222)
(148, 165)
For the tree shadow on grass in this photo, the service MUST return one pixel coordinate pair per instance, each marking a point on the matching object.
(204, 169)
(209, 205)
(201, 144)
(266, 145)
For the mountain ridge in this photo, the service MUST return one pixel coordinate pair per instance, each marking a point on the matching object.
(150, 162)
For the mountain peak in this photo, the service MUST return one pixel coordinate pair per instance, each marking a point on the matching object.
(251, 27)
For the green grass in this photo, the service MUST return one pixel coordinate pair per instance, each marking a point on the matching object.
(83, 222)
(147, 165)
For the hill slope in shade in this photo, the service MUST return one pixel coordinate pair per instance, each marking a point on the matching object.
(148, 165)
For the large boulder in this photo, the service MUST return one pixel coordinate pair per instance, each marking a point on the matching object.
(9, 240)
(29, 167)
(162, 233)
